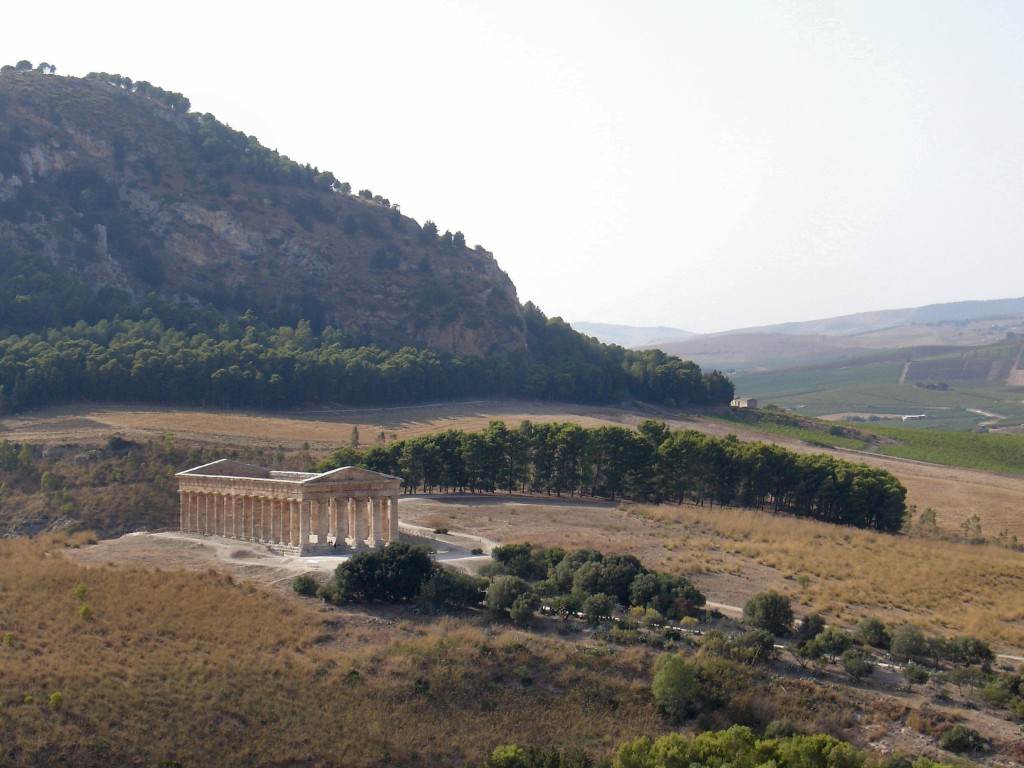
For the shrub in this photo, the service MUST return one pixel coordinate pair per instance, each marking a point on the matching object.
(598, 607)
(755, 646)
(446, 586)
(871, 631)
(960, 739)
(80, 590)
(391, 574)
(305, 585)
(857, 663)
(779, 729)
(915, 674)
(8, 639)
(522, 609)
(908, 643)
(675, 686)
(56, 700)
(441, 530)
(967, 650)
(85, 611)
(503, 592)
(769, 611)
(810, 627)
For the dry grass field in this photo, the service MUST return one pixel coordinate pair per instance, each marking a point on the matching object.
(160, 666)
(955, 494)
(947, 587)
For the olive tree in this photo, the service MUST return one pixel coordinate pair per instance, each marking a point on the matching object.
(769, 611)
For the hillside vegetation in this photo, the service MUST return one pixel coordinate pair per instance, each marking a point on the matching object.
(651, 463)
(93, 658)
(155, 255)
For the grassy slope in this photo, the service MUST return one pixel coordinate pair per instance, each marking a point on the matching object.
(176, 666)
(949, 587)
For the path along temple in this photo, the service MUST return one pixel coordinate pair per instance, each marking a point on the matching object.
(290, 512)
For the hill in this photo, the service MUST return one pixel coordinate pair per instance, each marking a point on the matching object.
(961, 324)
(120, 187)
(153, 254)
(632, 336)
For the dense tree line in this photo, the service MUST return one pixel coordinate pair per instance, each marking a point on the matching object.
(651, 463)
(241, 365)
(70, 342)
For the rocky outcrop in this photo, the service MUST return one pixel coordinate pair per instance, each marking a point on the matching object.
(120, 190)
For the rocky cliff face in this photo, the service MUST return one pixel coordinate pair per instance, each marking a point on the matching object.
(120, 189)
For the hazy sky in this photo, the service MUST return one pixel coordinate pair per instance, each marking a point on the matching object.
(706, 165)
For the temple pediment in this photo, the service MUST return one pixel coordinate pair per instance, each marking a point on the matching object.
(350, 474)
(227, 468)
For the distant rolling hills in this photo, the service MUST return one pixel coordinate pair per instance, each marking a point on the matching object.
(962, 323)
(958, 364)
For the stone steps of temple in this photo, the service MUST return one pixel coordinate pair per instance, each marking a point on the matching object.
(287, 550)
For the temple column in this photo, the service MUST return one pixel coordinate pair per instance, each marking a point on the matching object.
(264, 520)
(320, 511)
(286, 521)
(272, 519)
(374, 506)
(245, 503)
(183, 511)
(293, 522)
(222, 528)
(279, 520)
(332, 520)
(229, 516)
(358, 522)
(393, 533)
(194, 511)
(305, 523)
(215, 513)
(341, 510)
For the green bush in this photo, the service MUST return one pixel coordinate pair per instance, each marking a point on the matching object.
(392, 574)
(56, 700)
(915, 674)
(504, 591)
(857, 663)
(522, 609)
(769, 611)
(960, 738)
(305, 585)
(675, 686)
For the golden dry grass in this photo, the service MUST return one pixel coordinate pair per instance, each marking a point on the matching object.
(199, 668)
(947, 587)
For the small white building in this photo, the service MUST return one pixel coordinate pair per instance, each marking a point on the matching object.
(743, 402)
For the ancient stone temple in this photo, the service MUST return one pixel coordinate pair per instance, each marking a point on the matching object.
(292, 512)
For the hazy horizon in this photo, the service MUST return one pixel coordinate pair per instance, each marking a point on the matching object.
(700, 166)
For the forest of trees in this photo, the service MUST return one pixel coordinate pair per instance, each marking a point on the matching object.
(68, 342)
(651, 463)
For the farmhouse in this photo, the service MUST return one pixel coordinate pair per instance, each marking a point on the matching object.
(291, 512)
(743, 402)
